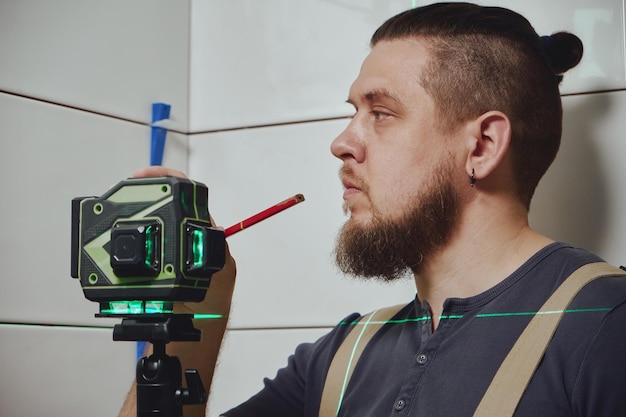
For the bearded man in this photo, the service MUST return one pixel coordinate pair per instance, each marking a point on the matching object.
(457, 117)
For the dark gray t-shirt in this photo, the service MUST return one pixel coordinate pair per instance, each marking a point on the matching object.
(409, 371)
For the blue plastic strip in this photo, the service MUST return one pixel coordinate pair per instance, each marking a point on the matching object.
(141, 349)
(160, 111)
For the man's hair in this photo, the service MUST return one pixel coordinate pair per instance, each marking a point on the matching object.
(491, 58)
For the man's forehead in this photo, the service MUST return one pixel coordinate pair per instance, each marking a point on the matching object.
(389, 71)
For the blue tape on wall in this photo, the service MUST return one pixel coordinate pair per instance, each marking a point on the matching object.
(160, 111)
(158, 134)
(141, 349)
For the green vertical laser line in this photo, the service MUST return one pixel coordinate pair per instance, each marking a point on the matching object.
(345, 378)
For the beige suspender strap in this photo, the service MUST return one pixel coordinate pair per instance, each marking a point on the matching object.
(518, 367)
(347, 356)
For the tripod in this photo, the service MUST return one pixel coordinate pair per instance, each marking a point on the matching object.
(159, 376)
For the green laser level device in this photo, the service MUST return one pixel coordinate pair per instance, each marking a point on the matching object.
(145, 244)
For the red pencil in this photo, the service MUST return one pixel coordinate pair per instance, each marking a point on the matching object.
(290, 202)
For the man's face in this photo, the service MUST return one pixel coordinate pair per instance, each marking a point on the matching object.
(398, 169)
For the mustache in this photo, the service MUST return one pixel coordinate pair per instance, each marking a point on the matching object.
(347, 176)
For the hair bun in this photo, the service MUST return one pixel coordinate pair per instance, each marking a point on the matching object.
(564, 50)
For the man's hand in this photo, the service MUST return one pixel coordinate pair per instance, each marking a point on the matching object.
(158, 171)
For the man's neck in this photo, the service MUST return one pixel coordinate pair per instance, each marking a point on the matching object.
(476, 259)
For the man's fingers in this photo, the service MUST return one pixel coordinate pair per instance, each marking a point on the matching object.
(158, 171)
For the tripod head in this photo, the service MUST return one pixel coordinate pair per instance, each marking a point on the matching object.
(159, 376)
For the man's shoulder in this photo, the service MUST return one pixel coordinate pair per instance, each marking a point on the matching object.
(562, 259)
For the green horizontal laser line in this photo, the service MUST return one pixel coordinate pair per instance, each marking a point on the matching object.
(195, 316)
(415, 319)
(484, 315)
(534, 313)
(207, 316)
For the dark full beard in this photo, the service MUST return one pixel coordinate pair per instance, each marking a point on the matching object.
(388, 249)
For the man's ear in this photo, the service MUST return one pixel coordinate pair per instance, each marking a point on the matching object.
(489, 140)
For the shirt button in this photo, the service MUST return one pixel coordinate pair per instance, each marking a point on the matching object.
(422, 359)
(399, 405)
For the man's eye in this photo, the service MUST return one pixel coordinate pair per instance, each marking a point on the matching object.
(378, 115)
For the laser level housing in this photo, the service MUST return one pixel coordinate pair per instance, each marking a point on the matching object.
(145, 243)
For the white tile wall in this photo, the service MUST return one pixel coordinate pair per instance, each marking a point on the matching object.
(51, 154)
(581, 198)
(600, 25)
(113, 57)
(63, 371)
(285, 60)
(77, 79)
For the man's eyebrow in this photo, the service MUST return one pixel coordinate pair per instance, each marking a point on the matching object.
(377, 94)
